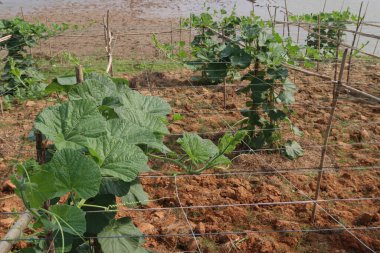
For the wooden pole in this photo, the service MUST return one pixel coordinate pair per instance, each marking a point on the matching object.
(298, 32)
(319, 40)
(287, 17)
(171, 35)
(324, 6)
(22, 13)
(270, 14)
(274, 18)
(328, 132)
(190, 24)
(283, 27)
(180, 29)
(41, 159)
(15, 232)
(360, 19)
(108, 40)
(374, 50)
(79, 74)
(361, 27)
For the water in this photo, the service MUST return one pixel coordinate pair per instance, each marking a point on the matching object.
(153, 9)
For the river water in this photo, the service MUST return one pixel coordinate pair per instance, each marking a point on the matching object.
(151, 9)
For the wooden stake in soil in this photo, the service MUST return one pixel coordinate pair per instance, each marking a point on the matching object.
(190, 24)
(360, 20)
(108, 40)
(374, 50)
(79, 73)
(15, 233)
(328, 131)
(361, 27)
(41, 159)
(180, 29)
(287, 17)
(319, 40)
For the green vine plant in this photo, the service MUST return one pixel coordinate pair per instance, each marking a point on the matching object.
(100, 140)
(21, 76)
(245, 48)
(331, 26)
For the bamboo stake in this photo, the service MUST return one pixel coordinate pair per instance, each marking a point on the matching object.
(108, 41)
(287, 17)
(22, 13)
(337, 56)
(270, 14)
(41, 159)
(374, 50)
(274, 17)
(171, 35)
(15, 232)
(5, 38)
(361, 27)
(328, 132)
(319, 39)
(180, 29)
(190, 24)
(298, 33)
(360, 19)
(324, 6)
(79, 74)
(283, 27)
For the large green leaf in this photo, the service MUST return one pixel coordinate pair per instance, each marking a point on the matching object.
(229, 141)
(154, 105)
(114, 186)
(144, 120)
(69, 125)
(133, 133)
(40, 188)
(125, 237)
(199, 150)
(71, 219)
(293, 150)
(287, 95)
(74, 172)
(96, 218)
(97, 87)
(136, 195)
(117, 158)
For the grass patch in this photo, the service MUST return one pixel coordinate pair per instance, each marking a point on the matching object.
(65, 65)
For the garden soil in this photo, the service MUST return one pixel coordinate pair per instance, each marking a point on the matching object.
(256, 228)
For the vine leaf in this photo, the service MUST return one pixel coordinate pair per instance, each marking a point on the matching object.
(136, 195)
(125, 237)
(144, 120)
(97, 87)
(69, 125)
(71, 218)
(287, 95)
(73, 172)
(134, 134)
(115, 186)
(229, 141)
(96, 218)
(293, 150)
(117, 158)
(199, 150)
(156, 106)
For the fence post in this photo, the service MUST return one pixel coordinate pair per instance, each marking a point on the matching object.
(79, 73)
(327, 134)
(360, 20)
(108, 40)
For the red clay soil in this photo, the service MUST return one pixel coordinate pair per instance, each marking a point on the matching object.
(252, 227)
